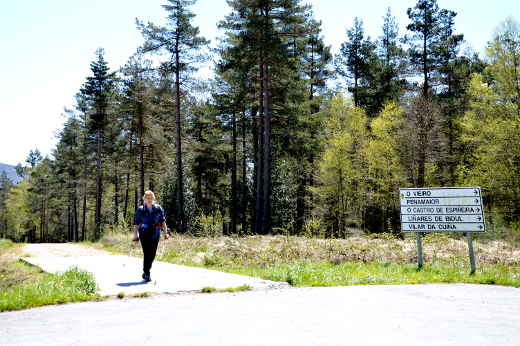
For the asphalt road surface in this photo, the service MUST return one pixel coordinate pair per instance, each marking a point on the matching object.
(434, 314)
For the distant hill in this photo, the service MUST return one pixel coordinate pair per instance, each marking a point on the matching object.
(11, 172)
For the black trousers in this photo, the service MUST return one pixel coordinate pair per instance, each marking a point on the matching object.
(149, 249)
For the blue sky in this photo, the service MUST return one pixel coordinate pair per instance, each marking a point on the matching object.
(47, 46)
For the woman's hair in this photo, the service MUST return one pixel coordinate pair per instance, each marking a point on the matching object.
(149, 193)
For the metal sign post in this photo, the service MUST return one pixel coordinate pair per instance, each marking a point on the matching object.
(471, 253)
(418, 238)
(442, 209)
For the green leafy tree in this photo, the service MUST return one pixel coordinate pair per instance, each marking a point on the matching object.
(384, 157)
(17, 213)
(341, 189)
(491, 126)
(5, 185)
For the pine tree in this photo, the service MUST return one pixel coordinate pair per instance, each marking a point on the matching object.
(268, 36)
(181, 40)
(97, 90)
(432, 40)
(34, 157)
(317, 69)
(390, 66)
(355, 62)
(86, 154)
(212, 160)
(68, 161)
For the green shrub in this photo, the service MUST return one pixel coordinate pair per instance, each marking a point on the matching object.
(209, 225)
(72, 285)
(314, 228)
(141, 294)
(213, 260)
(5, 243)
(208, 289)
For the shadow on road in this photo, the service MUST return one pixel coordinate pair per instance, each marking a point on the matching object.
(126, 284)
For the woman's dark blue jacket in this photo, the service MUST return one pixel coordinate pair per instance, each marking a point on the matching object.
(149, 221)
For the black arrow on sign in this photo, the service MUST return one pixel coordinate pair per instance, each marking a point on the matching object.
(478, 209)
(480, 226)
(479, 218)
(475, 192)
(476, 201)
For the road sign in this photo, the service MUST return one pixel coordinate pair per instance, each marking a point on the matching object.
(442, 209)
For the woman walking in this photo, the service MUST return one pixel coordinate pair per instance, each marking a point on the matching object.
(149, 222)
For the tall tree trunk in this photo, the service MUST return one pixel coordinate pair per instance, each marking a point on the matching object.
(425, 66)
(300, 202)
(180, 186)
(116, 193)
(45, 216)
(69, 221)
(421, 163)
(244, 174)
(355, 94)
(127, 187)
(136, 199)
(234, 205)
(41, 219)
(99, 187)
(141, 152)
(259, 158)
(151, 181)
(75, 214)
(267, 154)
(84, 210)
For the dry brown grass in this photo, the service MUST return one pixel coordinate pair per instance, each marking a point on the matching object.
(268, 250)
(12, 271)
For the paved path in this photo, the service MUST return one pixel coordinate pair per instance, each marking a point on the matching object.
(121, 273)
(435, 314)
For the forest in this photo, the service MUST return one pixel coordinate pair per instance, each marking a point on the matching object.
(286, 136)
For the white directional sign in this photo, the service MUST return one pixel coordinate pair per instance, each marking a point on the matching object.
(442, 209)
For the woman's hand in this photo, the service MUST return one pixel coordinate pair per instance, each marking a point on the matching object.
(167, 234)
(166, 230)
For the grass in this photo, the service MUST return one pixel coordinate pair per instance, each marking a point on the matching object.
(24, 286)
(121, 295)
(5, 243)
(359, 273)
(141, 294)
(359, 259)
(72, 285)
(209, 289)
